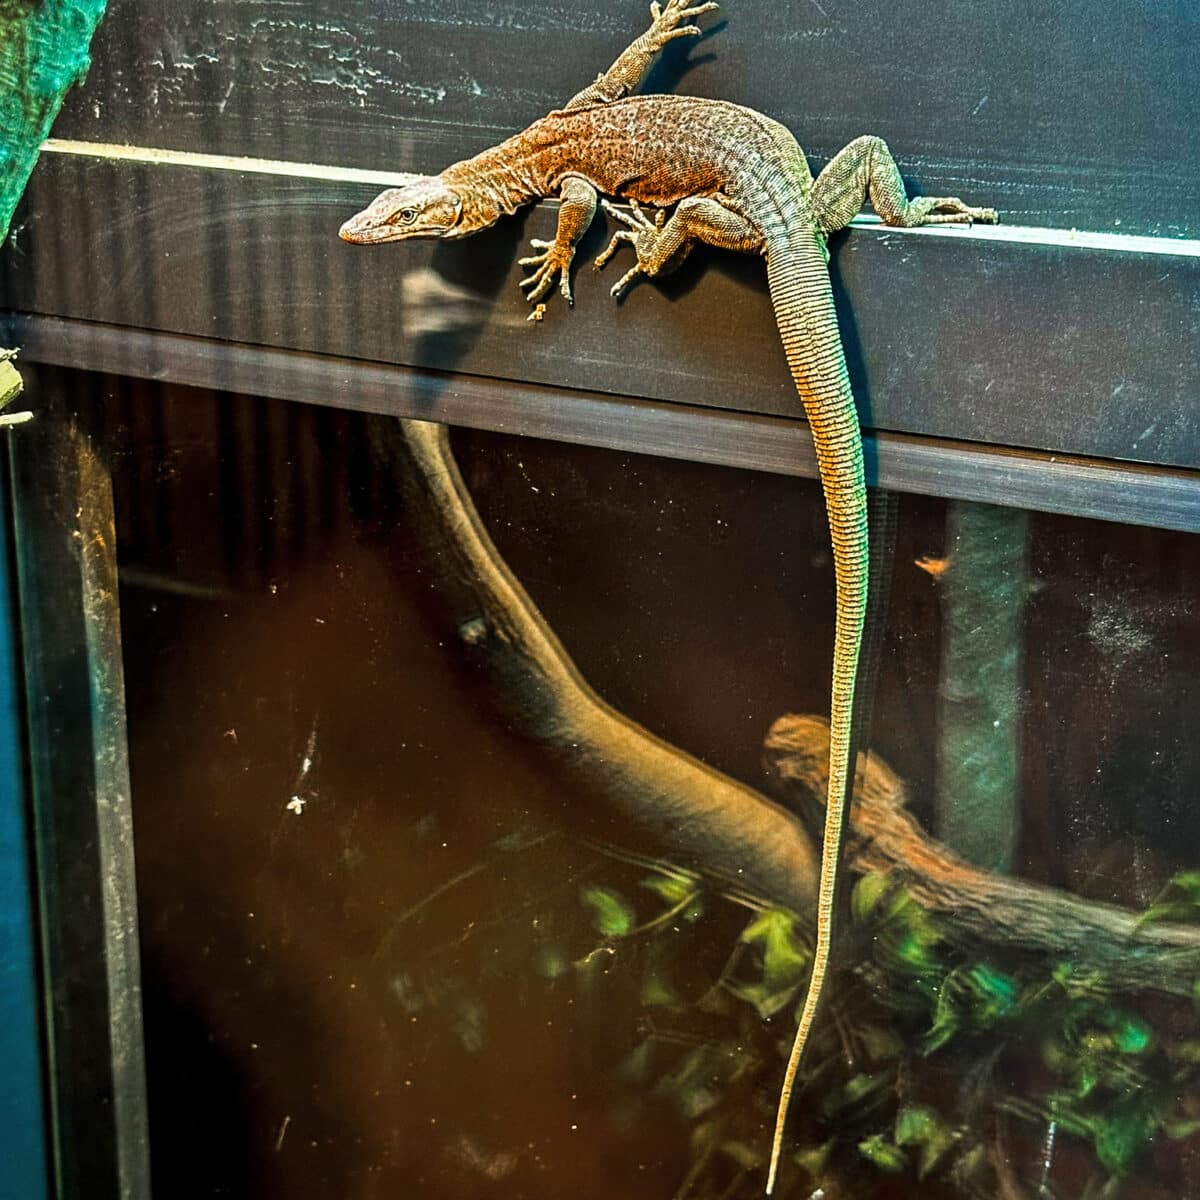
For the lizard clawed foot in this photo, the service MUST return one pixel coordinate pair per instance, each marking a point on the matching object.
(555, 259)
(642, 233)
(666, 21)
(950, 210)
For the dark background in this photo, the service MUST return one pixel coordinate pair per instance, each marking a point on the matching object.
(371, 970)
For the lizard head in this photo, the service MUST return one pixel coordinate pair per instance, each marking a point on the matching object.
(427, 208)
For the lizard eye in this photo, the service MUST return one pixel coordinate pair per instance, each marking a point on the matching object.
(408, 216)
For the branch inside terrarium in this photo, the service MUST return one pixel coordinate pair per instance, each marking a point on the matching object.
(723, 829)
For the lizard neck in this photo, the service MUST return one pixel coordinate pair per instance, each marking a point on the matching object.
(493, 184)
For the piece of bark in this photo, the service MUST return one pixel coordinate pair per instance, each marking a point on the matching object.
(977, 905)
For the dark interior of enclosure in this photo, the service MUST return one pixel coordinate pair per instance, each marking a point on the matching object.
(368, 964)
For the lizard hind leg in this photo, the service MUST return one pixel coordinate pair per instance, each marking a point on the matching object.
(866, 168)
(662, 244)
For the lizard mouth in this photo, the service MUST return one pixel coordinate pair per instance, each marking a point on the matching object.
(359, 233)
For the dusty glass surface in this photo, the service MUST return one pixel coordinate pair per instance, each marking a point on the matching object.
(405, 932)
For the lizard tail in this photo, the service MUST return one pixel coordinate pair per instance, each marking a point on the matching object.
(803, 300)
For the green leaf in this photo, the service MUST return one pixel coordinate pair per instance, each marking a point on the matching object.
(1132, 1036)
(674, 889)
(657, 992)
(868, 891)
(11, 383)
(766, 1001)
(882, 1153)
(1119, 1137)
(1086, 1079)
(917, 1125)
(814, 1159)
(945, 1015)
(996, 991)
(1187, 882)
(1178, 1130)
(785, 960)
(1178, 911)
(611, 913)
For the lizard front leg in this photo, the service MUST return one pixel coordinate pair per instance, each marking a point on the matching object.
(661, 245)
(667, 24)
(577, 207)
(866, 168)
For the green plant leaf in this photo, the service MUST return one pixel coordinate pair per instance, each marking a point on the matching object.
(1187, 882)
(814, 1159)
(995, 992)
(878, 1150)
(785, 959)
(1178, 1130)
(868, 892)
(1131, 1036)
(1118, 1138)
(766, 1001)
(611, 912)
(919, 1126)
(1176, 911)
(674, 889)
(658, 993)
(945, 1014)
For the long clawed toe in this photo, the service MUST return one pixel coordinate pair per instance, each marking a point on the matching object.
(676, 11)
(548, 264)
(618, 289)
(638, 229)
(635, 219)
(601, 260)
(950, 210)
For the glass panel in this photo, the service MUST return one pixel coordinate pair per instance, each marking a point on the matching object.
(419, 915)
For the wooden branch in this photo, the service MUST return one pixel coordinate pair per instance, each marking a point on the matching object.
(985, 908)
(715, 825)
(698, 817)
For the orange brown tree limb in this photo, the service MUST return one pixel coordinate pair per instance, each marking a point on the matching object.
(708, 822)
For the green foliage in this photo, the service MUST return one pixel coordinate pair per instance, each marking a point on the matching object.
(43, 51)
(785, 961)
(923, 1129)
(611, 913)
(926, 1051)
(903, 1072)
(1179, 902)
(882, 1153)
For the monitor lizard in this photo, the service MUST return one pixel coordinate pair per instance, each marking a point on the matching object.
(737, 180)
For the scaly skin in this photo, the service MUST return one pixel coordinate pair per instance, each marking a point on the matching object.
(737, 180)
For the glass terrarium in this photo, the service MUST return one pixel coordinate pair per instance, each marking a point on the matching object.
(415, 716)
